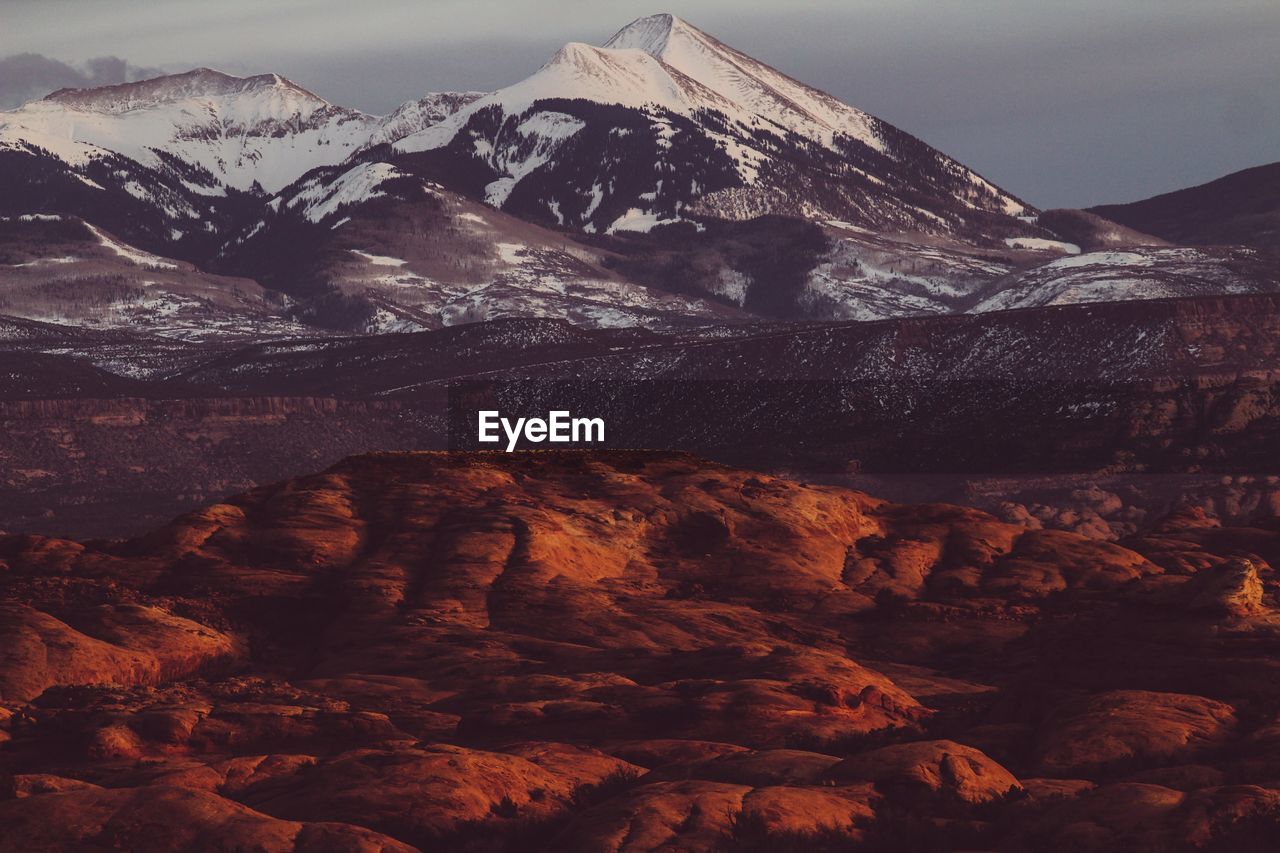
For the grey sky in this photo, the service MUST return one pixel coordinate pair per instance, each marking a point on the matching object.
(1070, 102)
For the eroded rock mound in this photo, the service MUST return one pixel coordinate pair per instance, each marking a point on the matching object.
(1132, 725)
(940, 767)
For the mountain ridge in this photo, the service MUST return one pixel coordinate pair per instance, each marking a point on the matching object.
(1242, 207)
(762, 142)
(660, 173)
(201, 81)
(214, 131)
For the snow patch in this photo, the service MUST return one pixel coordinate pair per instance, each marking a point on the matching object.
(511, 253)
(379, 260)
(137, 256)
(241, 130)
(496, 193)
(643, 221)
(320, 200)
(1040, 244)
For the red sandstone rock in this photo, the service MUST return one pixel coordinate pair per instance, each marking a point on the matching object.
(1132, 724)
(937, 767)
(627, 651)
(161, 818)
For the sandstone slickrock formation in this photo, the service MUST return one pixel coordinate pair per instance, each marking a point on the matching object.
(633, 651)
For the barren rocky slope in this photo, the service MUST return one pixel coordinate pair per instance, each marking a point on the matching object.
(627, 651)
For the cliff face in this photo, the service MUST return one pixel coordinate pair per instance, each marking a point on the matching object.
(607, 651)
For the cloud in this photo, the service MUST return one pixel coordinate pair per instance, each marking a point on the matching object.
(28, 76)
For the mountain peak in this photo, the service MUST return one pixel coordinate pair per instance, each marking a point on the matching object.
(742, 80)
(627, 76)
(650, 34)
(196, 83)
(575, 53)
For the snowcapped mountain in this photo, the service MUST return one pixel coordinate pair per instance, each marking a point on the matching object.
(174, 162)
(225, 131)
(666, 123)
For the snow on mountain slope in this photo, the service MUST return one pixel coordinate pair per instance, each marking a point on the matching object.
(63, 270)
(747, 83)
(232, 131)
(414, 116)
(870, 276)
(175, 163)
(320, 197)
(412, 255)
(666, 123)
(1133, 274)
(629, 78)
(208, 131)
(661, 61)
